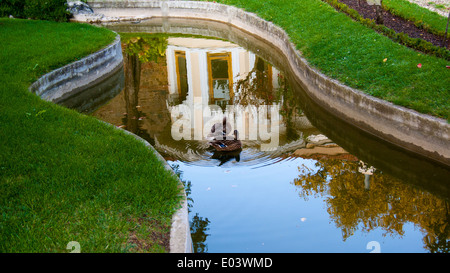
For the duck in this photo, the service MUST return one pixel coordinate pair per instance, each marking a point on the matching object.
(227, 145)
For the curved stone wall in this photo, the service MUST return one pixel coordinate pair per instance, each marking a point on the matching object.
(75, 77)
(413, 131)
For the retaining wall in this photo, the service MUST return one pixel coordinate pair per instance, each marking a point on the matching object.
(413, 131)
(75, 77)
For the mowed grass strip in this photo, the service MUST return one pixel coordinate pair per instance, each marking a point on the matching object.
(65, 176)
(358, 56)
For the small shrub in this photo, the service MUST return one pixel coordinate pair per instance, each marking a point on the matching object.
(52, 10)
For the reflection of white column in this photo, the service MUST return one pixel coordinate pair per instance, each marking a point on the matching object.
(275, 73)
(246, 120)
(196, 91)
(235, 64)
(244, 65)
(171, 70)
(204, 85)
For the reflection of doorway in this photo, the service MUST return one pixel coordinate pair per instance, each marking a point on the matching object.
(220, 78)
(182, 78)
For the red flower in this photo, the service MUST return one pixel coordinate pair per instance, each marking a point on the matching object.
(419, 65)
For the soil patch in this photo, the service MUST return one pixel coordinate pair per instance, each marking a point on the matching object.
(396, 23)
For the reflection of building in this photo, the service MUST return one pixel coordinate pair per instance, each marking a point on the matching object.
(204, 69)
(203, 72)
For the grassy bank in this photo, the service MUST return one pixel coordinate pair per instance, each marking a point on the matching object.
(358, 56)
(64, 176)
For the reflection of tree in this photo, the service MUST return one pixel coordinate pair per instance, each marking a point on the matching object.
(147, 47)
(256, 87)
(199, 227)
(389, 203)
(198, 224)
(289, 107)
(138, 50)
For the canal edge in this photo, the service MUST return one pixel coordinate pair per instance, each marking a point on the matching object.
(80, 75)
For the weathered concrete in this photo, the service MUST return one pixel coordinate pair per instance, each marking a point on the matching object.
(413, 131)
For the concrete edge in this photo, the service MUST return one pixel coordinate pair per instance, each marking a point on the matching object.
(80, 75)
(419, 133)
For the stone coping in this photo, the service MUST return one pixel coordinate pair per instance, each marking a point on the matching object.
(422, 134)
(80, 75)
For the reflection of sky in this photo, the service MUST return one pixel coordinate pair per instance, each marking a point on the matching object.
(258, 210)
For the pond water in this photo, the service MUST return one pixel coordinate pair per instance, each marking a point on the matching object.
(303, 181)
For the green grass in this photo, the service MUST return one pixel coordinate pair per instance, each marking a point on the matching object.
(65, 176)
(347, 51)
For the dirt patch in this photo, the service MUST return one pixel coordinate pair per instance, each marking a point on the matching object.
(157, 237)
(396, 23)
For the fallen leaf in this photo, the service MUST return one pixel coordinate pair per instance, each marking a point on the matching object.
(385, 59)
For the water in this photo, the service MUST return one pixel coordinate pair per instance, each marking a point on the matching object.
(326, 187)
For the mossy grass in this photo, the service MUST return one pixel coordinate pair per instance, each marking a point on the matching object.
(359, 56)
(66, 176)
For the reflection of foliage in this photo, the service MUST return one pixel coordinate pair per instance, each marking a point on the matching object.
(147, 48)
(289, 106)
(198, 224)
(199, 227)
(255, 88)
(187, 184)
(389, 204)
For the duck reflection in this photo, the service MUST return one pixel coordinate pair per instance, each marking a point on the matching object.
(224, 157)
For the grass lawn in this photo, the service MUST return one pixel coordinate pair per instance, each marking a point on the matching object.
(65, 176)
(358, 56)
